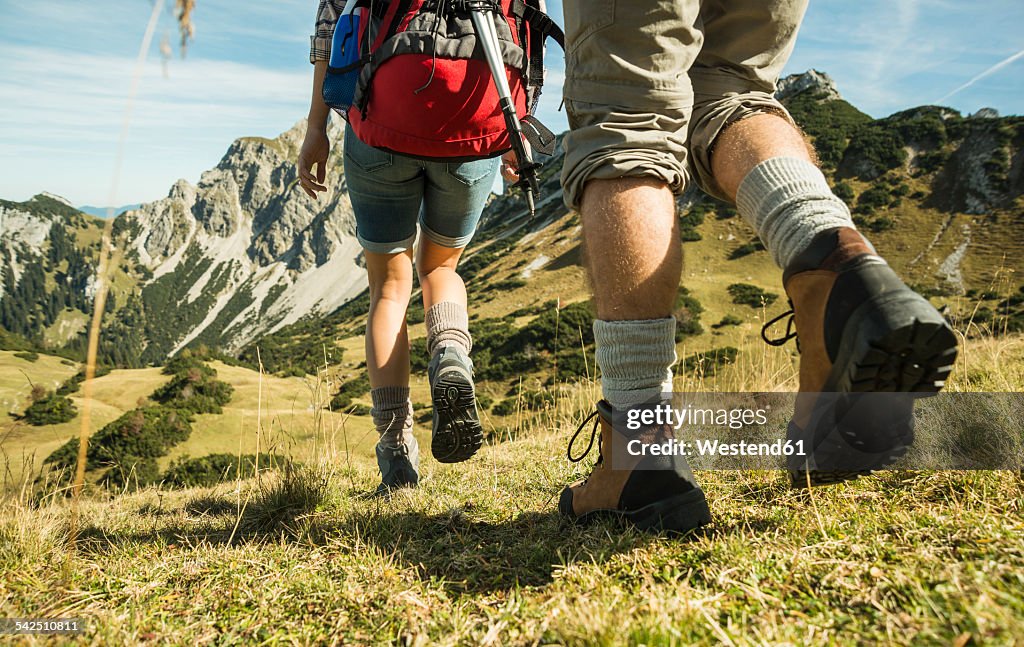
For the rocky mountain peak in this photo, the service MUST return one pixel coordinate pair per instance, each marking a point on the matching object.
(182, 190)
(986, 113)
(811, 80)
(249, 249)
(54, 196)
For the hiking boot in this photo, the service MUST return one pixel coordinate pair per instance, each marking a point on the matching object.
(399, 464)
(655, 493)
(859, 331)
(457, 433)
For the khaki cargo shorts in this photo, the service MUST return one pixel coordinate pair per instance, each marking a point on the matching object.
(651, 83)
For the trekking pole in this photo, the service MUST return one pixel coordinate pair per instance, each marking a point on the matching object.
(479, 13)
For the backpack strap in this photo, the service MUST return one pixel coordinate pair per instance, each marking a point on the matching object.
(541, 139)
(541, 27)
(396, 10)
(378, 8)
(540, 23)
(351, 67)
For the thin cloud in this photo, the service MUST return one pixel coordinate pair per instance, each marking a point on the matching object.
(988, 72)
(64, 119)
(894, 39)
(88, 98)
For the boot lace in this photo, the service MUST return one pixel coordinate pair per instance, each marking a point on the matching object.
(790, 329)
(590, 445)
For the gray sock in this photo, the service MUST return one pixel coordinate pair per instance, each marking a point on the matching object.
(392, 413)
(787, 200)
(636, 359)
(447, 325)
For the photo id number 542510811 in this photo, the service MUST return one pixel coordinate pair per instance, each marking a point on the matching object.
(41, 626)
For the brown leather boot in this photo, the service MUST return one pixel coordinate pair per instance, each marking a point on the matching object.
(859, 330)
(651, 492)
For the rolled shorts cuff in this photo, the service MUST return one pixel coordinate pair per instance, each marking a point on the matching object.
(609, 141)
(712, 114)
(452, 242)
(610, 164)
(396, 247)
(637, 96)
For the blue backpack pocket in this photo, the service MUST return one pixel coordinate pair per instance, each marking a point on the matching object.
(345, 64)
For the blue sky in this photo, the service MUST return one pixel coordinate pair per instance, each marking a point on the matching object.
(68, 67)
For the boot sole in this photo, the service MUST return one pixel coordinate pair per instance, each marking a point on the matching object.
(678, 514)
(457, 433)
(894, 343)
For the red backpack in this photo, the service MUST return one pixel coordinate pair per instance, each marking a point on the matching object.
(424, 88)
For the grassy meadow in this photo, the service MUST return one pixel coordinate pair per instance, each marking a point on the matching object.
(478, 554)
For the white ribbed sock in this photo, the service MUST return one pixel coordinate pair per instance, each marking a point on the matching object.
(447, 325)
(392, 413)
(636, 359)
(788, 201)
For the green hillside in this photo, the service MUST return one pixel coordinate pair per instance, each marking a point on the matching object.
(477, 554)
(933, 189)
(229, 504)
(938, 192)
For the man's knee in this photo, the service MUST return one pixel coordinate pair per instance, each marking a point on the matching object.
(714, 117)
(611, 206)
(602, 193)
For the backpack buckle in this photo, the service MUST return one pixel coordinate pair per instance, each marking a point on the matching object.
(467, 6)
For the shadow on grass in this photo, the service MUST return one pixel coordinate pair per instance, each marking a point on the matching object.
(476, 556)
(454, 549)
(473, 548)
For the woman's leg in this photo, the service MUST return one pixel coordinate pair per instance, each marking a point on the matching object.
(386, 193)
(387, 362)
(436, 266)
(387, 340)
(457, 433)
(454, 199)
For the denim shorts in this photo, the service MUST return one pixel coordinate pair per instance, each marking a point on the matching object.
(391, 192)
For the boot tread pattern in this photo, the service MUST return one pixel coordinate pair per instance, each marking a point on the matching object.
(457, 431)
(913, 358)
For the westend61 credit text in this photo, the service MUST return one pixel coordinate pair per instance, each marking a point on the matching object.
(779, 447)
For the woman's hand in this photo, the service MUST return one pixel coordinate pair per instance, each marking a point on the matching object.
(316, 147)
(509, 166)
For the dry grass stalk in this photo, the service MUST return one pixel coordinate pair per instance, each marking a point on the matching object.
(186, 28)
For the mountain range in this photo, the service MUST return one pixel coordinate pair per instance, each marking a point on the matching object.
(102, 212)
(245, 257)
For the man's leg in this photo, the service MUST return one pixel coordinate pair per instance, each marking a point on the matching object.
(634, 259)
(788, 200)
(860, 328)
(747, 143)
(628, 101)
